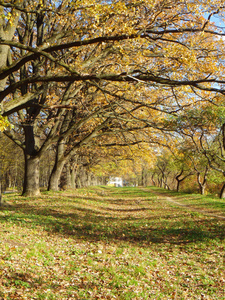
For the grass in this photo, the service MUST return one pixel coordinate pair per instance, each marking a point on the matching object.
(112, 243)
(197, 201)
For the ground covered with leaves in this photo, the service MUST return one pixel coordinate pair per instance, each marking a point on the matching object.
(112, 243)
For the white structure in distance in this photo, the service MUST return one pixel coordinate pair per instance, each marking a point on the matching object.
(115, 181)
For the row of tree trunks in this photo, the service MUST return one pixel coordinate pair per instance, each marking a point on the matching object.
(70, 174)
(74, 176)
(162, 181)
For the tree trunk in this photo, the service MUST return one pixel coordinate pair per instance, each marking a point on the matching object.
(222, 192)
(6, 33)
(54, 179)
(78, 182)
(166, 186)
(0, 185)
(83, 177)
(178, 185)
(73, 177)
(202, 189)
(144, 177)
(31, 177)
(153, 180)
(31, 183)
(161, 182)
(68, 176)
(60, 161)
(202, 184)
(179, 180)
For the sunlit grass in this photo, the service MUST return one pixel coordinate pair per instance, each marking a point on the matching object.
(112, 243)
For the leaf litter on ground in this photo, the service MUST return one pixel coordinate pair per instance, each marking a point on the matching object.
(110, 243)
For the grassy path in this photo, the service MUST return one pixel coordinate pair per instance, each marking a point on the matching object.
(194, 205)
(112, 243)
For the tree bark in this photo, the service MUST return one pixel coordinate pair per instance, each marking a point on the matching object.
(31, 184)
(153, 180)
(60, 161)
(54, 179)
(68, 176)
(202, 185)
(73, 177)
(83, 177)
(7, 30)
(78, 182)
(222, 192)
(144, 177)
(202, 189)
(178, 185)
(0, 185)
(31, 177)
(179, 180)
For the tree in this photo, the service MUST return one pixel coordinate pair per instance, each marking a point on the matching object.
(8, 23)
(200, 165)
(201, 129)
(164, 168)
(12, 164)
(146, 66)
(214, 151)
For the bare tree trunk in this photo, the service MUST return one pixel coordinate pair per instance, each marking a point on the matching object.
(54, 179)
(179, 180)
(83, 177)
(78, 182)
(60, 161)
(202, 189)
(0, 185)
(31, 178)
(68, 176)
(144, 177)
(31, 183)
(73, 176)
(153, 180)
(6, 33)
(202, 184)
(222, 192)
(178, 185)
(166, 186)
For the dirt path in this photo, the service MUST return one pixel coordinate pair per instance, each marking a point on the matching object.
(171, 200)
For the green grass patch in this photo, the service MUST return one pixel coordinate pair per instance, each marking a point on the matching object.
(112, 243)
(207, 203)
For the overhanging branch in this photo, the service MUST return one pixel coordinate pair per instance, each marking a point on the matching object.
(147, 78)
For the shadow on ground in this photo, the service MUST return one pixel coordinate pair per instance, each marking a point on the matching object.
(114, 224)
